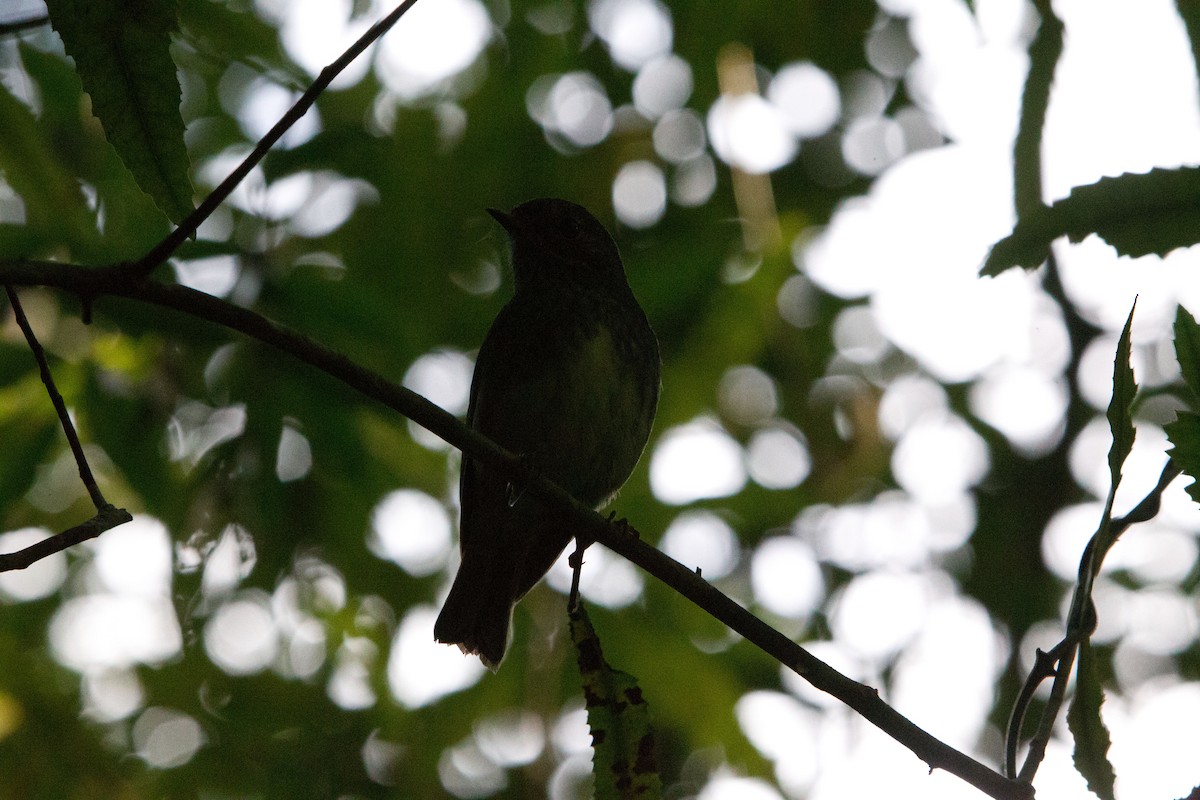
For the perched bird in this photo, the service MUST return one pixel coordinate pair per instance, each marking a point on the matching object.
(568, 378)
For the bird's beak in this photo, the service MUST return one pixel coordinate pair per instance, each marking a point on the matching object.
(505, 219)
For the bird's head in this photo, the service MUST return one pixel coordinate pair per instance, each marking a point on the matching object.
(557, 242)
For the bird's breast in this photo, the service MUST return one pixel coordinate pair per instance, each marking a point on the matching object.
(596, 418)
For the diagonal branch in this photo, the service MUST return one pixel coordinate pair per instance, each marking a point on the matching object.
(64, 417)
(94, 283)
(106, 518)
(186, 229)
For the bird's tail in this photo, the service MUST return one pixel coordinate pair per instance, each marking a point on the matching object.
(477, 614)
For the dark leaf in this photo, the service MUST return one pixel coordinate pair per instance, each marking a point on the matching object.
(1187, 351)
(1155, 212)
(1092, 740)
(1184, 434)
(122, 54)
(1120, 419)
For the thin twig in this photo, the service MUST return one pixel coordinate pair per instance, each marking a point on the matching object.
(1058, 690)
(616, 536)
(23, 24)
(1058, 661)
(1044, 664)
(186, 229)
(1148, 508)
(85, 471)
(106, 518)
(1044, 52)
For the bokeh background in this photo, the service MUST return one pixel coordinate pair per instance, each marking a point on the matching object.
(882, 455)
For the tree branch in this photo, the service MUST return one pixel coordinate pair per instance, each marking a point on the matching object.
(64, 418)
(93, 283)
(186, 229)
(107, 517)
(1044, 52)
(23, 24)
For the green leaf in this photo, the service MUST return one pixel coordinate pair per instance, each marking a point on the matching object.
(122, 53)
(1184, 434)
(50, 193)
(1155, 212)
(625, 765)
(1120, 420)
(1187, 351)
(29, 427)
(1029, 243)
(1092, 740)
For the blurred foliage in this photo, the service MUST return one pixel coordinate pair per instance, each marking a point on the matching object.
(400, 279)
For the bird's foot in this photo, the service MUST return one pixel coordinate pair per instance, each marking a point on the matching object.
(623, 524)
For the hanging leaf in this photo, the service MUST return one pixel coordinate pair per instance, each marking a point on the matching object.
(1120, 420)
(122, 53)
(622, 740)
(1155, 212)
(1092, 740)
(1187, 351)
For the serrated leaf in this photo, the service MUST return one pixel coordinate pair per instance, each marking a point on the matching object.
(624, 761)
(1184, 434)
(1138, 214)
(1120, 420)
(1187, 351)
(1092, 740)
(122, 53)
(1193, 795)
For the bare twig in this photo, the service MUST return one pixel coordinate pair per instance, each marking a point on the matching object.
(107, 517)
(23, 24)
(1148, 508)
(85, 471)
(186, 229)
(588, 523)
(1044, 52)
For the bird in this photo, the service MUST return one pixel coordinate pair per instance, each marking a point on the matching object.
(567, 378)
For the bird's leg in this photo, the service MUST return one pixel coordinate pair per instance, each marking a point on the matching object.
(582, 542)
(576, 562)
